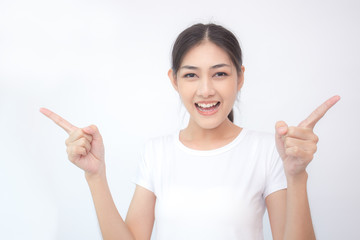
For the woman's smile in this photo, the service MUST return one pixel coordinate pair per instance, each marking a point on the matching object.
(207, 108)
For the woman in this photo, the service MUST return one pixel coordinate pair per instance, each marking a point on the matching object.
(213, 179)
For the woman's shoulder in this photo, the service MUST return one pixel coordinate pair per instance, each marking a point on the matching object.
(161, 141)
(259, 137)
(259, 134)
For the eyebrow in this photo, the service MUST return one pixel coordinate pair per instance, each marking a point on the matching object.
(212, 67)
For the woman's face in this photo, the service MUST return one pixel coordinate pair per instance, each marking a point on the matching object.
(208, 83)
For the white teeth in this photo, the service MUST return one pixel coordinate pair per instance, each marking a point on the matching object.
(203, 105)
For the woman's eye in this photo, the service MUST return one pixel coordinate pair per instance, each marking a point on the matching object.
(220, 74)
(189, 75)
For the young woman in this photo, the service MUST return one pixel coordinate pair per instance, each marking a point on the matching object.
(213, 179)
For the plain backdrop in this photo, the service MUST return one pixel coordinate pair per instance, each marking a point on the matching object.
(106, 62)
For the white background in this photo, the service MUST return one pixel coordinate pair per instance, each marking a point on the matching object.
(105, 62)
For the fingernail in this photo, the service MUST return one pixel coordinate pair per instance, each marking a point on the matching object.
(282, 129)
(87, 129)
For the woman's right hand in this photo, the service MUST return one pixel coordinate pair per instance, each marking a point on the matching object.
(85, 146)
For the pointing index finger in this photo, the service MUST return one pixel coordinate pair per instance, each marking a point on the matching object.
(68, 127)
(319, 112)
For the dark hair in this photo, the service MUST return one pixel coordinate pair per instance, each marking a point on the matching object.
(216, 34)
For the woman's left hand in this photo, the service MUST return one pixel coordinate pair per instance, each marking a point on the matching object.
(297, 145)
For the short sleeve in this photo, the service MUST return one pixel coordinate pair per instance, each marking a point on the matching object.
(275, 175)
(143, 175)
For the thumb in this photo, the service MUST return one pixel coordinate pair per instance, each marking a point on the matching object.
(97, 145)
(281, 129)
(94, 131)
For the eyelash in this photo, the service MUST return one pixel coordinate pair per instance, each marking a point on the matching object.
(223, 74)
(188, 75)
(218, 74)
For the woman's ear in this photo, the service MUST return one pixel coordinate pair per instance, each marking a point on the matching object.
(173, 79)
(241, 78)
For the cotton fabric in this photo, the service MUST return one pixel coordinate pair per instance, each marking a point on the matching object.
(212, 194)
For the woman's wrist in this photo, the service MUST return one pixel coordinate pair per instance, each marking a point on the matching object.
(99, 176)
(298, 179)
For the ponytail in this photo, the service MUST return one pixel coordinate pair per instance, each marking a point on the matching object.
(231, 116)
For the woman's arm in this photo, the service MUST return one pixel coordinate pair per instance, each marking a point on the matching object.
(85, 149)
(111, 224)
(298, 218)
(140, 218)
(276, 207)
(289, 212)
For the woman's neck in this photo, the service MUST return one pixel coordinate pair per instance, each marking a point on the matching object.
(196, 137)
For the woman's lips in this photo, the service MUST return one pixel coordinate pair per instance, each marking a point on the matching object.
(207, 109)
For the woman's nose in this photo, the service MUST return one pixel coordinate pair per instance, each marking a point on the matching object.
(205, 88)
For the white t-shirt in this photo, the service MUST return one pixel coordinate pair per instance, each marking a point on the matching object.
(212, 194)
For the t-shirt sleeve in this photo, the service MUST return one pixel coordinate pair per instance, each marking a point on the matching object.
(275, 175)
(143, 175)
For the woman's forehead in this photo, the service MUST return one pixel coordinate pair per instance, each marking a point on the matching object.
(206, 55)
